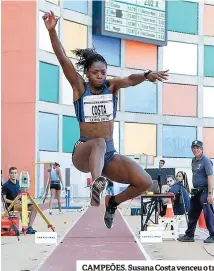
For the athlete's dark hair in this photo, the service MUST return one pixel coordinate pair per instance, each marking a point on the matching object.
(86, 57)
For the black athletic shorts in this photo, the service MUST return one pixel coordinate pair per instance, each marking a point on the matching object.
(55, 185)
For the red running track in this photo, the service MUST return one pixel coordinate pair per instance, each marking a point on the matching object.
(89, 239)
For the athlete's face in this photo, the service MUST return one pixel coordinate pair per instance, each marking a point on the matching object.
(97, 74)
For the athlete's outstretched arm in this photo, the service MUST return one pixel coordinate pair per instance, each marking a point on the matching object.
(135, 79)
(73, 77)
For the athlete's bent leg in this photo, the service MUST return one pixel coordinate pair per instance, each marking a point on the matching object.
(124, 170)
(89, 157)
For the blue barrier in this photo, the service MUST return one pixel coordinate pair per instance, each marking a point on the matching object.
(67, 201)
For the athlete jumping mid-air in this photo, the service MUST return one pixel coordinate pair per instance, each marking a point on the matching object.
(95, 103)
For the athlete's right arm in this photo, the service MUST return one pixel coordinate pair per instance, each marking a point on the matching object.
(72, 76)
(66, 64)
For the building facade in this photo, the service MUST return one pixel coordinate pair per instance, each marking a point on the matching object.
(38, 120)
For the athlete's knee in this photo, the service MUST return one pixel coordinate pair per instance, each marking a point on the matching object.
(100, 143)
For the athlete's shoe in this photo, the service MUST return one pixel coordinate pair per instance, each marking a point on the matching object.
(110, 212)
(97, 188)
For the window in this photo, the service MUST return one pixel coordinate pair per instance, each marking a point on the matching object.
(183, 17)
(180, 58)
(44, 39)
(74, 36)
(109, 48)
(48, 132)
(71, 133)
(208, 102)
(67, 91)
(140, 55)
(79, 6)
(208, 20)
(140, 138)
(177, 141)
(208, 61)
(56, 2)
(208, 135)
(118, 101)
(48, 82)
(141, 98)
(174, 102)
(116, 136)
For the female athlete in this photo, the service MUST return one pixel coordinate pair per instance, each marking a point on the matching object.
(95, 103)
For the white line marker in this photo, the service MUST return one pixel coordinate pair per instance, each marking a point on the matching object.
(136, 239)
(52, 250)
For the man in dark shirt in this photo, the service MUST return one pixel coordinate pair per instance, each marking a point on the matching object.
(202, 198)
(10, 191)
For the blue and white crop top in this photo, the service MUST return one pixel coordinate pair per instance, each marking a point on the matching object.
(54, 175)
(96, 108)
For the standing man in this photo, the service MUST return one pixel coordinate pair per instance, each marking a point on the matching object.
(10, 191)
(201, 194)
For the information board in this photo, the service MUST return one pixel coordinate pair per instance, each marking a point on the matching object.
(141, 20)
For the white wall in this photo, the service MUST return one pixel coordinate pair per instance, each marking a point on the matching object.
(78, 180)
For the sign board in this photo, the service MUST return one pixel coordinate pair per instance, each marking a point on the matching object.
(151, 236)
(140, 20)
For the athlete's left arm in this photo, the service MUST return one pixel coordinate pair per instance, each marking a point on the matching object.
(135, 79)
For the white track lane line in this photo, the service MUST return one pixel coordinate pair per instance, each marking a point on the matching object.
(52, 250)
(136, 239)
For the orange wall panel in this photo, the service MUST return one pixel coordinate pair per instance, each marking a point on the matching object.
(142, 141)
(208, 20)
(140, 55)
(18, 86)
(179, 100)
(208, 135)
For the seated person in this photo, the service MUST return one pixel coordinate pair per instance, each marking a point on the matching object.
(181, 176)
(10, 191)
(182, 198)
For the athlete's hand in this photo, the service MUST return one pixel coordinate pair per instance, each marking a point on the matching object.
(210, 199)
(158, 76)
(50, 20)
